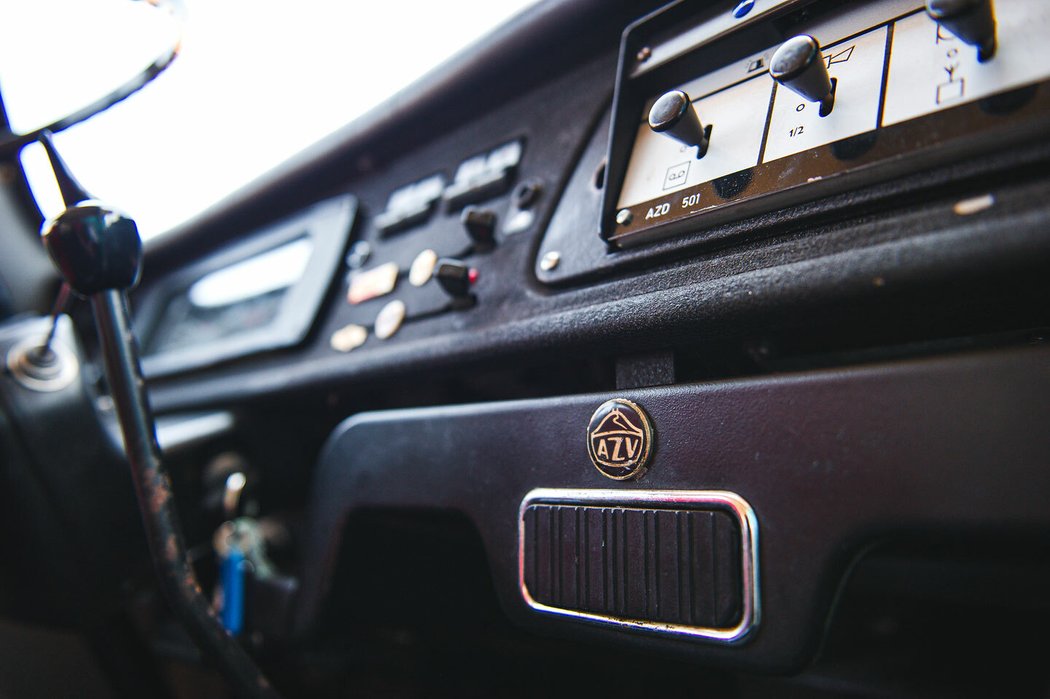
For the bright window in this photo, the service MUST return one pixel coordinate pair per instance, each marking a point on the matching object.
(255, 83)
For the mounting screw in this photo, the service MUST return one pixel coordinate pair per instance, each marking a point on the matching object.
(624, 217)
(360, 253)
(643, 54)
(550, 261)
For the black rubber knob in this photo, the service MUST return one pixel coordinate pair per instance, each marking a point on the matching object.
(799, 66)
(973, 21)
(673, 115)
(454, 276)
(94, 246)
(480, 225)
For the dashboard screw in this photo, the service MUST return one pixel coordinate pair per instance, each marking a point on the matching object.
(550, 261)
(359, 255)
(643, 54)
(624, 217)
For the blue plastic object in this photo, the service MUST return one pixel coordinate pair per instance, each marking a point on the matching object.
(232, 616)
(743, 8)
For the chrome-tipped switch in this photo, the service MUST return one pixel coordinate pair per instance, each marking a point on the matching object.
(799, 66)
(673, 115)
(973, 21)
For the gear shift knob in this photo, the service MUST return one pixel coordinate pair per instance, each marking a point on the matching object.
(96, 247)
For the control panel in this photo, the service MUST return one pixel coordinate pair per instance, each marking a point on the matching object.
(423, 254)
(760, 105)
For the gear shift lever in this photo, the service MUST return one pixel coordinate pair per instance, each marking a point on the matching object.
(99, 253)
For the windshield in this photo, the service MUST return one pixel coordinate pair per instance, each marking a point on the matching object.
(255, 83)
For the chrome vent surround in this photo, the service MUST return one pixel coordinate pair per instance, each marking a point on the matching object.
(673, 562)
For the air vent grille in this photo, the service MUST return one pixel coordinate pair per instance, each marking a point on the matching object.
(662, 565)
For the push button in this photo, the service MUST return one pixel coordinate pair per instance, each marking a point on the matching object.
(410, 204)
(376, 282)
(422, 268)
(484, 176)
(389, 319)
(348, 338)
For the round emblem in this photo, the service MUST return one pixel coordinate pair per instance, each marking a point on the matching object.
(620, 439)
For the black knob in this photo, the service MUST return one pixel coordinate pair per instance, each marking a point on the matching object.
(481, 226)
(456, 278)
(673, 115)
(799, 66)
(94, 246)
(973, 21)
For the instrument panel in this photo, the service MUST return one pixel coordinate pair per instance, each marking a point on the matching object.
(261, 295)
(895, 90)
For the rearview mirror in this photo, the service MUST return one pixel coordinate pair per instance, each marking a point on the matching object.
(63, 61)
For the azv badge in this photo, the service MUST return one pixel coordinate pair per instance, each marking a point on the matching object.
(620, 439)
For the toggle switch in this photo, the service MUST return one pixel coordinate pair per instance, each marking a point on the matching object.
(480, 225)
(673, 115)
(799, 66)
(456, 278)
(973, 21)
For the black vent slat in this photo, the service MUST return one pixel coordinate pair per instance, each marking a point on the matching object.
(595, 540)
(700, 568)
(727, 577)
(635, 583)
(667, 555)
(528, 524)
(676, 566)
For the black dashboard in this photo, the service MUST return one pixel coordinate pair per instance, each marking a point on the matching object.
(630, 345)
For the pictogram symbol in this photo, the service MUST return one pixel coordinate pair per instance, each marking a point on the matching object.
(841, 56)
(676, 176)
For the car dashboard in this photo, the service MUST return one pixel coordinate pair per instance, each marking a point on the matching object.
(626, 352)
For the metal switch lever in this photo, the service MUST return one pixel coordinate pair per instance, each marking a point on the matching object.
(673, 115)
(973, 21)
(799, 66)
(231, 494)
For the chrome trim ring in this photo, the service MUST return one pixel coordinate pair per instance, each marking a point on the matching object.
(44, 380)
